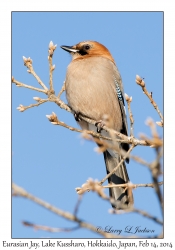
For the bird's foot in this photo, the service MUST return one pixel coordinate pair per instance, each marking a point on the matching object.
(76, 116)
(99, 124)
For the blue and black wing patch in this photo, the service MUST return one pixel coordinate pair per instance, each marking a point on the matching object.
(119, 94)
(124, 130)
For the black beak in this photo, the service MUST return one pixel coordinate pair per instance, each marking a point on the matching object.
(69, 49)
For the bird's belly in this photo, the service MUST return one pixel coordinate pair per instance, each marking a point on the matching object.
(90, 100)
(92, 93)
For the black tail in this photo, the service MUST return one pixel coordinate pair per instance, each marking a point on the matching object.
(119, 177)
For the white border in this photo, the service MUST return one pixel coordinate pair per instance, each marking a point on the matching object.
(5, 99)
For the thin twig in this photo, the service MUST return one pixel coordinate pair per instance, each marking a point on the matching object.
(145, 214)
(52, 48)
(133, 185)
(78, 204)
(140, 82)
(28, 63)
(149, 122)
(62, 90)
(153, 142)
(141, 212)
(19, 84)
(91, 185)
(140, 160)
(54, 120)
(124, 138)
(23, 108)
(113, 171)
(49, 229)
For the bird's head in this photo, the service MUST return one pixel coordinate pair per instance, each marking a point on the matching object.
(87, 49)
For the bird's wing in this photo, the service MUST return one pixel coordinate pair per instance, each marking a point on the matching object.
(119, 92)
(122, 107)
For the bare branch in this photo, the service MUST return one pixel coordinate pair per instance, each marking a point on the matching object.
(149, 122)
(92, 185)
(140, 160)
(19, 84)
(135, 210)
(49, 229)
(78, 204)
(62, 90)
(23, 108)
(122, 160)
(28, 64)
(21, 192)
(52, 48)
(155, 142)
(95, 187)
(54, 120)
(133, 186)
(140, 82)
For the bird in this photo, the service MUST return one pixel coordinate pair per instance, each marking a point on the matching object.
(94, 89)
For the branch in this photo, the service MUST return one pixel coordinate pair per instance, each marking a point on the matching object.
(133, 186)
(141, 212)
(154, 142)
(140, 82)
(49, 229)
(140, 160)
(54, 120)
(145, 163)
(22, 108)
(62, 90)
(95, 187)
(28, 63)
(21, 192)
(113, 171)
(52, 47)
(91, 185)
(20, 84)
(78, 204)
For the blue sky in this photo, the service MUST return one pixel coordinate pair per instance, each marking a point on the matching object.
(51, 161)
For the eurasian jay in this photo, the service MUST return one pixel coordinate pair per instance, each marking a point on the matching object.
(93, 89)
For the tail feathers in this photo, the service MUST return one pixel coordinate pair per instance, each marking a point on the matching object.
(123, 199)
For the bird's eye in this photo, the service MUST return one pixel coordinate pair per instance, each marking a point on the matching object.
(86, 46)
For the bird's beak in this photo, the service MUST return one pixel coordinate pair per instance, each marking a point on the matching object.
(69, 49)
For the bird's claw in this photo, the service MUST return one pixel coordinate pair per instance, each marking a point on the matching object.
(99, 124)
(76, 116)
